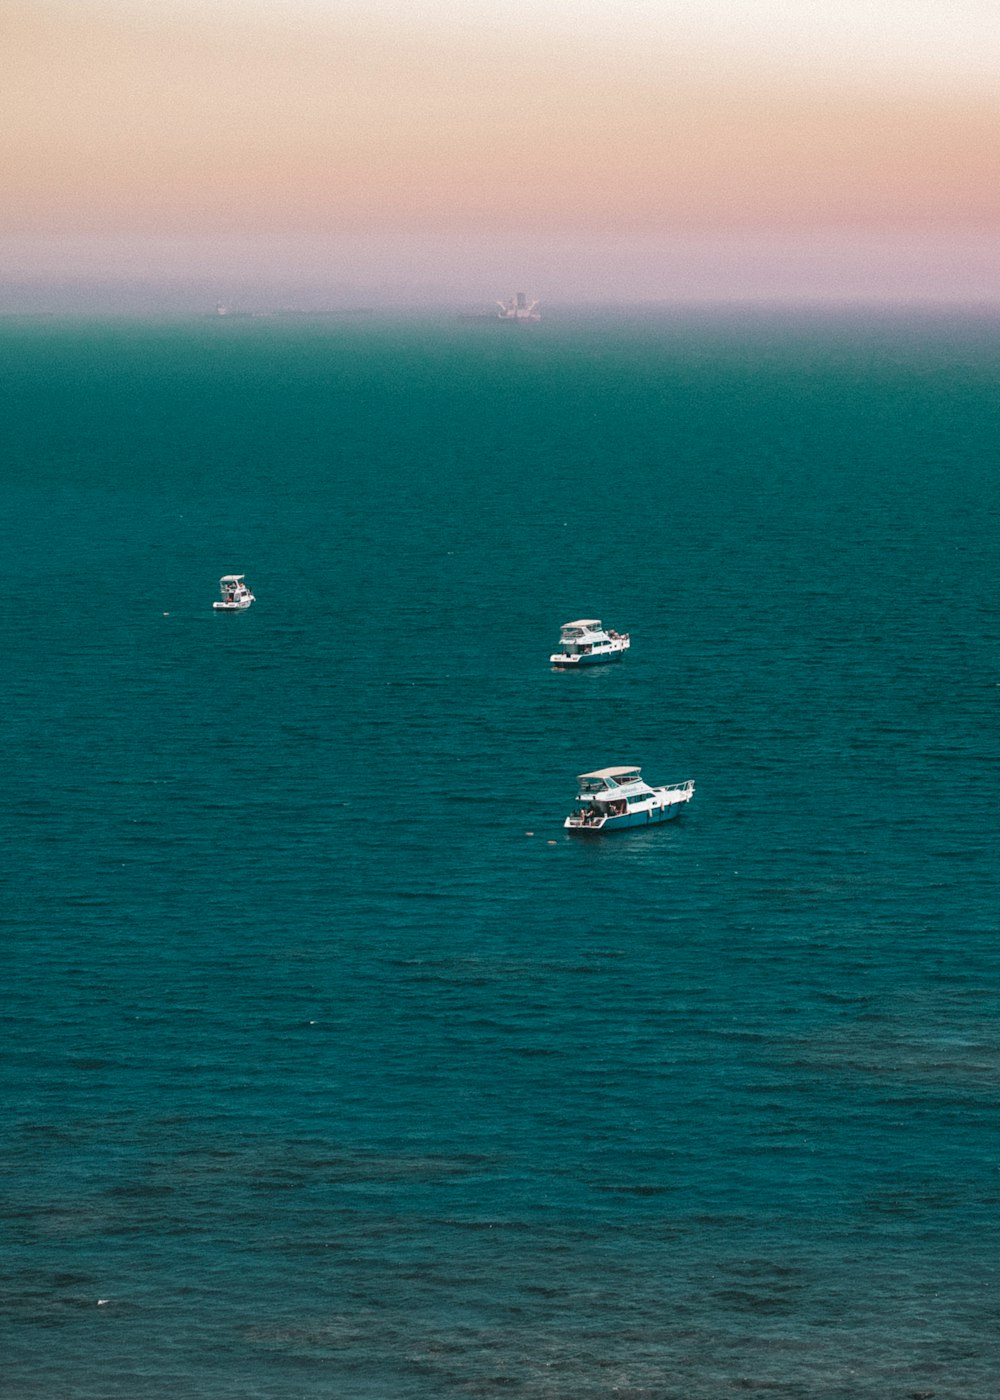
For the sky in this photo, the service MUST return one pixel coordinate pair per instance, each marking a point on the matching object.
(585, 150)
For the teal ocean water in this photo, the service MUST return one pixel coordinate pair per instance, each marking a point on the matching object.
(332, 1066)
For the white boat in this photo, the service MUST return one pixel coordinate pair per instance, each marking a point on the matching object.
(614, 798)
(588, 643)
(235, 594)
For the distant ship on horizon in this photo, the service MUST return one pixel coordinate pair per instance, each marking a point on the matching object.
(224, 310)
(518, 308)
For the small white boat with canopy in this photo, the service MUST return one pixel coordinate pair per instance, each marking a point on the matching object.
(588, 642)
(236, 594)
(614, 798)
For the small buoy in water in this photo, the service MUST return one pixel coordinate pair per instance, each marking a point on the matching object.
(103, 1302)
(529, 833)
(552, 843)
(166, 614)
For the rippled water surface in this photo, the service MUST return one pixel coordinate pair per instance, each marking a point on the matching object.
(333, 1067)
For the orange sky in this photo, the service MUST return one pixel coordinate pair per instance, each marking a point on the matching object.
(288, 118)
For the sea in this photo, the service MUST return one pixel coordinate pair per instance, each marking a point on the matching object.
(333, 1067)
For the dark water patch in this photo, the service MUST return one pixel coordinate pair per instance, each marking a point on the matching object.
(140, 1191)
(636, 1189)
(745, 1300)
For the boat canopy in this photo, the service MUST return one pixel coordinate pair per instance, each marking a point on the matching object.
(583, 622)
(232, 578)
(617, 772)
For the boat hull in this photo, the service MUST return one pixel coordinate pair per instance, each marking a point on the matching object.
(571, 663)
(652, 816)
(656, 817)
(232, 607)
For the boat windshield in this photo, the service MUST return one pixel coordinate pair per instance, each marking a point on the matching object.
(592, 785)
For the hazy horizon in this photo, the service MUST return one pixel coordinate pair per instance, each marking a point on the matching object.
(248, 275)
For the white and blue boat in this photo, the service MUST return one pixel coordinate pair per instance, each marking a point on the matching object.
(236, 594)
(588, 643)
(614, 798)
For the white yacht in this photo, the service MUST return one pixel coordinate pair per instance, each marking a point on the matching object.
(613, 798)
(588, 643)
(236, 594)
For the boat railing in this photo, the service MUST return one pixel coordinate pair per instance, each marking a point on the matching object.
(687, 786)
